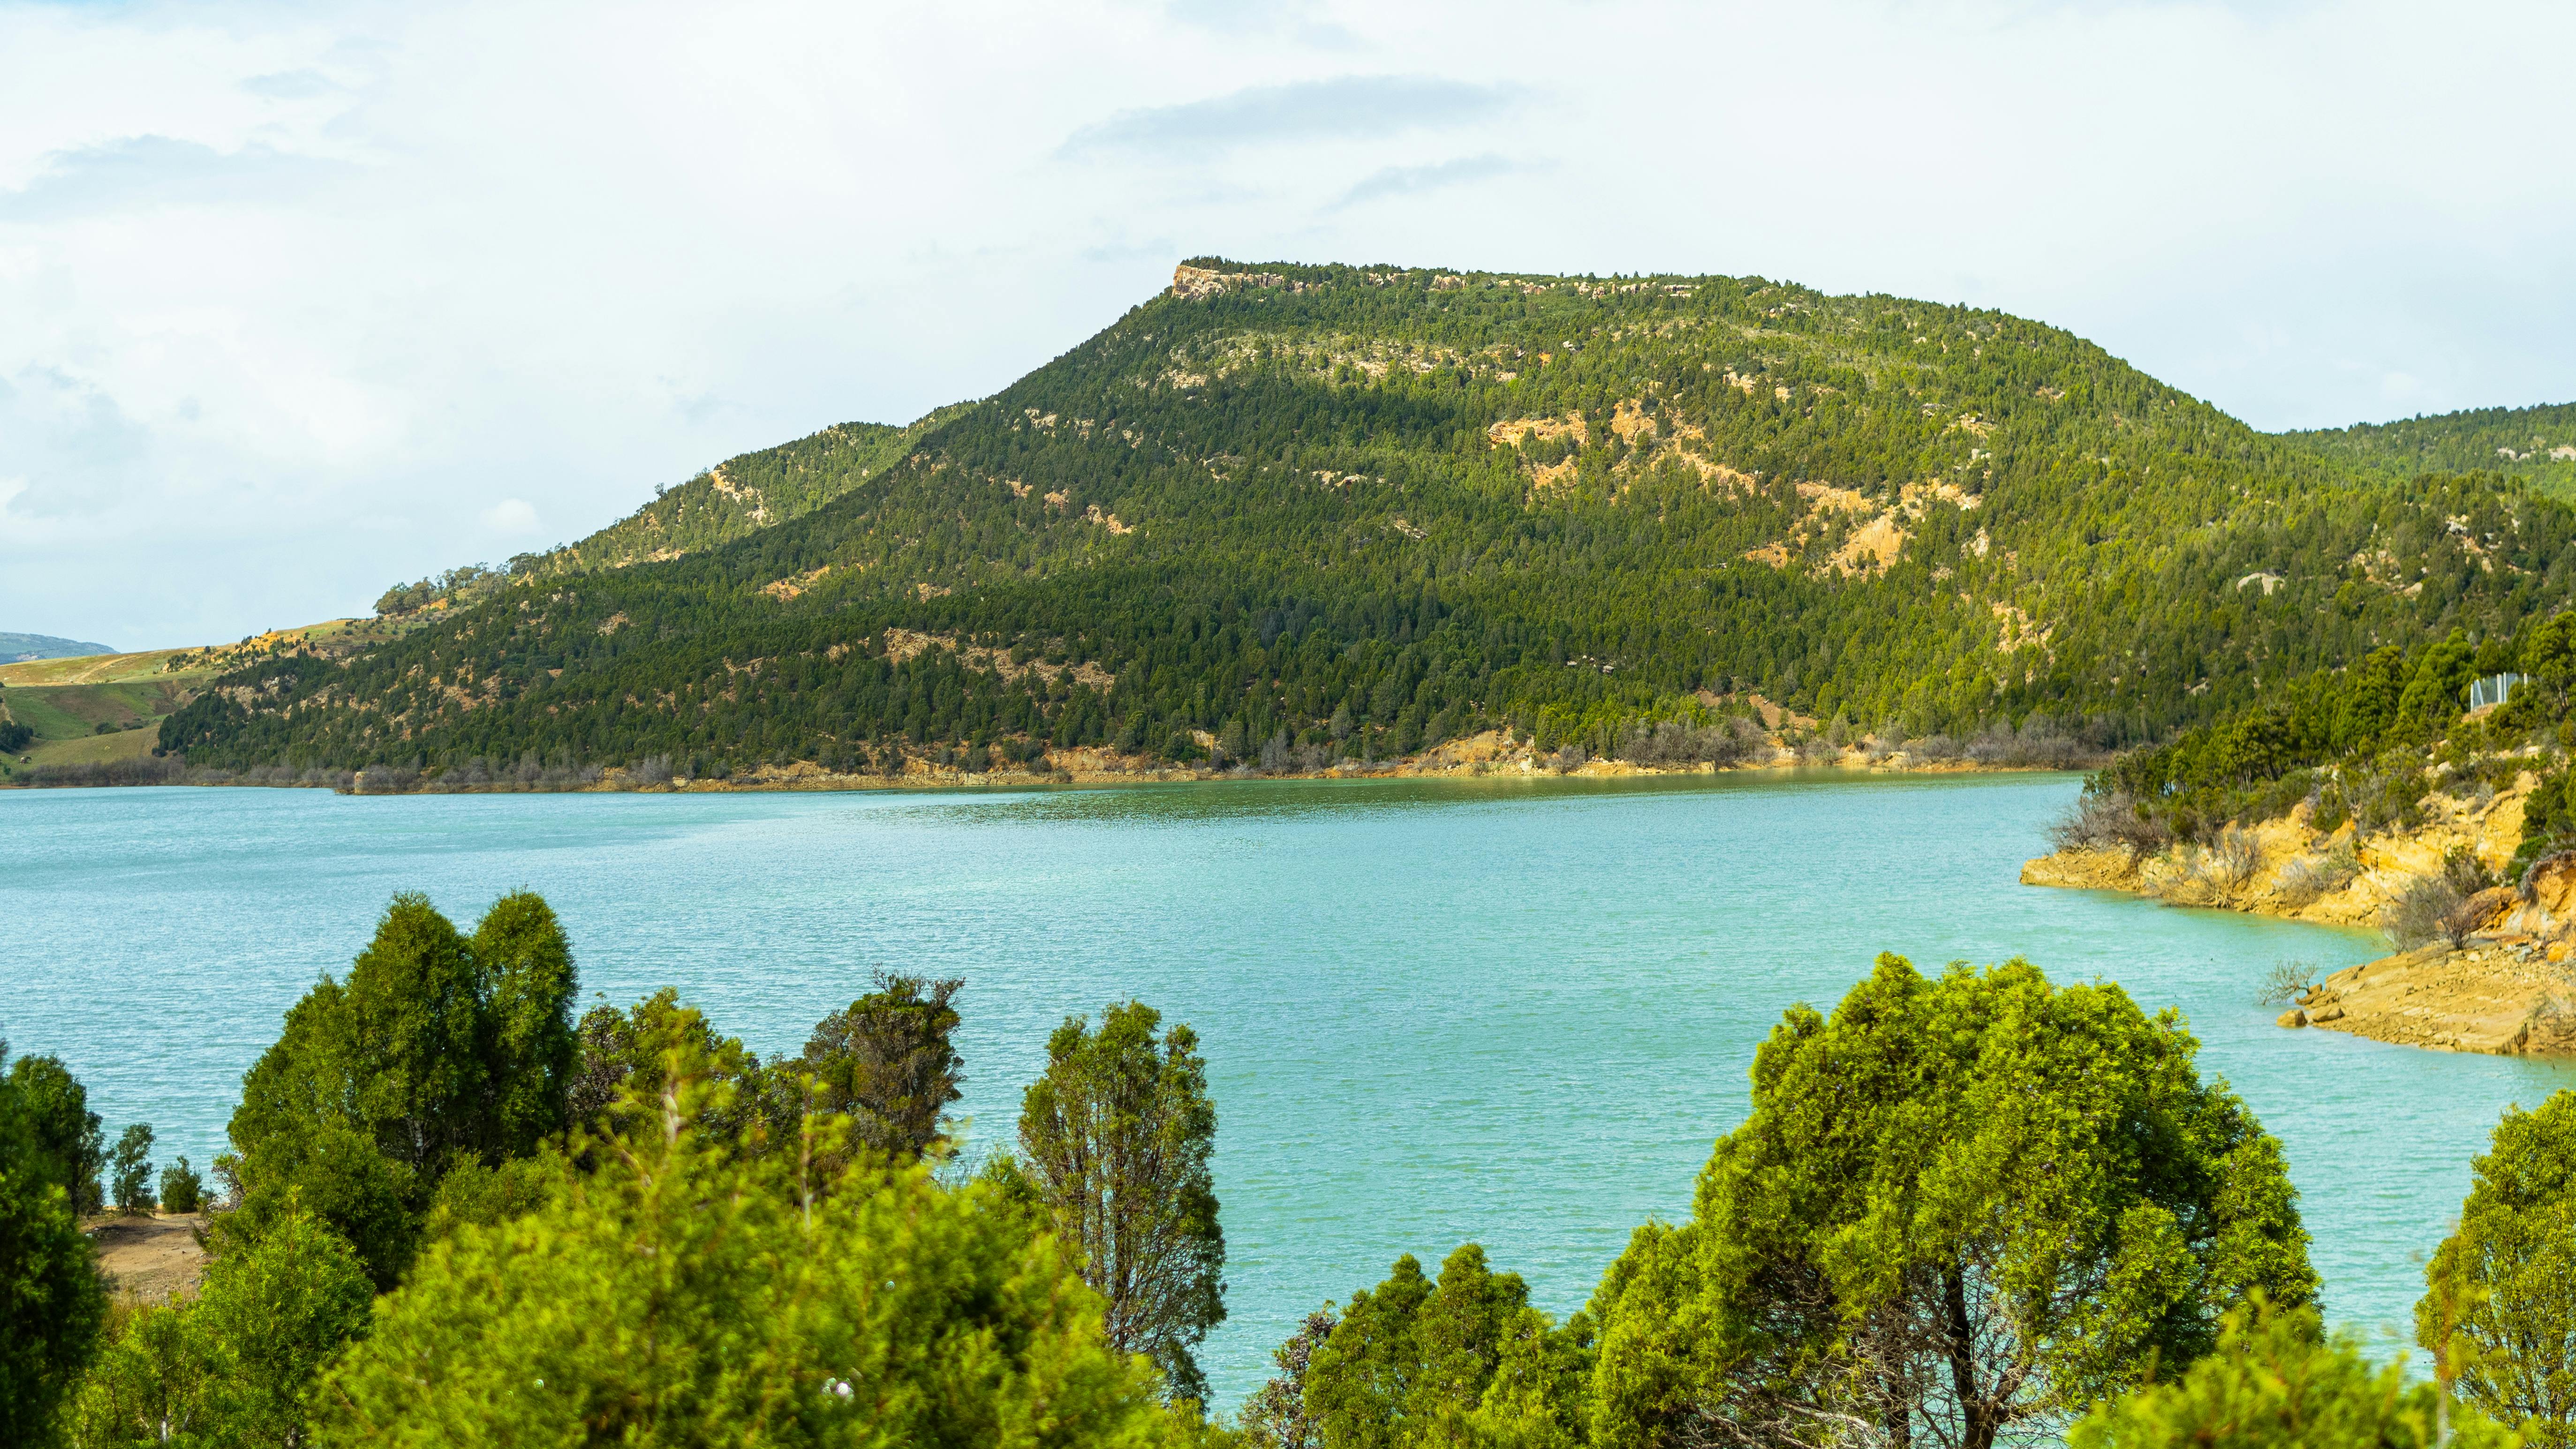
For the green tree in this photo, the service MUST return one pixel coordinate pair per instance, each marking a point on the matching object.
(2502, 1286)
(436, 1053)
(130, 1169)
(2277, 1381)
(1413, 1362)
(182, 1189)
(1961, 1207)
(52, 1304)
(887, 1062)
(64, 1135)
(235, 1365)
(1275, 1416)
(625, 1060)
(1115, 1139)
(684, 1294)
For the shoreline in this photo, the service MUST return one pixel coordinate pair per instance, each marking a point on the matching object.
(1485, 756)
(2507, 989)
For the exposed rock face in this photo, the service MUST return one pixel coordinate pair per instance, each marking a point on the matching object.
(2286, 867)
(2506, 997)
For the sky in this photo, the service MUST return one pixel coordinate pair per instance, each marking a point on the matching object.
(299, 301)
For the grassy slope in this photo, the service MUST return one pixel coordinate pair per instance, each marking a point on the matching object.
(1383, 470)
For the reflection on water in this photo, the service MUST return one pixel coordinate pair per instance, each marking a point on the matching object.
(1504, 1009)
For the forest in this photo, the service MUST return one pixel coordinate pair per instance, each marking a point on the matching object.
(1972, 1208)
(1347, 513)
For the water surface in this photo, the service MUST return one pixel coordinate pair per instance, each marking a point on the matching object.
(1509, 1011)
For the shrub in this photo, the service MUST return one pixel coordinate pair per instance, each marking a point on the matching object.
(131, 1169)
(2278, 1382)
(2285, 982)
(2313, 877)
(2113, 821)
(182, 1190)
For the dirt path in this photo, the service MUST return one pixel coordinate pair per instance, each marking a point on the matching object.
(149, 1260)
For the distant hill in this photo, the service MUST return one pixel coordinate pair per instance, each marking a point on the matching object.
(1358, 510)
(15, 648)
(737, 496)
(2535, 443)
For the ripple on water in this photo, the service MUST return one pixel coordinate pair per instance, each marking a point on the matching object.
(1512, 1011)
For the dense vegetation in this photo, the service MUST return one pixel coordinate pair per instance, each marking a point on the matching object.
(1966, 1210)
(2537, 444)
(1314, 512)
(735, 497)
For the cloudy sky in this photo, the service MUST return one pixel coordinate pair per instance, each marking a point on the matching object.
(300, 300)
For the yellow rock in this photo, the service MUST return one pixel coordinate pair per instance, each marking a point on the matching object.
(2292, 1017)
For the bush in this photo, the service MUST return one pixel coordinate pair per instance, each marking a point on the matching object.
(2313, 877)
(2278, 1382)
(2437, 907)
(684, 1295)
(2113, 821)
(2286, 982)
(182, 1190)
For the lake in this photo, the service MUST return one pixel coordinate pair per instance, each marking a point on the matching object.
(1517, 1012)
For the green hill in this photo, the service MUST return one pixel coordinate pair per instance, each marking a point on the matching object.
(2537, 444)
(17, 648)
(736, 497)
(1342, 509)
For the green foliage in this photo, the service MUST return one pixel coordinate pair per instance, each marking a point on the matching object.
(182, 1189)
(65, 1143)
(683, 1294)
(2024, 1195)
(625, 1059)
(52, 1304)
(1275, 1416)
(130, 1168)
(1462, 1361)
(438, 1051)
(235, 1365)
(2535, 443)
(1114, 1143)
(886, 1062)
(2278, 1382)
(2502, 1299)
(1338, 532)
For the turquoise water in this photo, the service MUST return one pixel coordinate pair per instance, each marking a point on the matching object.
(1515, 1012)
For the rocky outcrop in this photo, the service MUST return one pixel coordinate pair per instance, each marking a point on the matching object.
(2507, 996)
(2287, 867)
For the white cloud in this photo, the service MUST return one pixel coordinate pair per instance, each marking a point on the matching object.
(274, 278)
(511, 518)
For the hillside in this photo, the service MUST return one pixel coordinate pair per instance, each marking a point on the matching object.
(736, 497)
(17, 648)
(2537, 444)
(1301, 511)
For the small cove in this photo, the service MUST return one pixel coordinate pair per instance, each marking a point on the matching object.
(1510, 1011)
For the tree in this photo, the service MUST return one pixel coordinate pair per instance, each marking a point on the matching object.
(1275, 1416)
(68, 1144)
(437, 1052)
(182, 1190)
(2277, 1381)
(2502, 1286)
(1415, 1362)
(887, 1062)
(1115, 1140)
(235, 1364)
(52, 1303)
(131, 1169)
(625, 1059)
(684, 1294)
(1960, 1208)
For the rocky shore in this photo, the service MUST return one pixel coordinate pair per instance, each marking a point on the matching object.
(2506, 988)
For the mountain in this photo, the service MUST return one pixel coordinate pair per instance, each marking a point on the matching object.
(1344, 510)
(16, 648)
(2535, 443)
